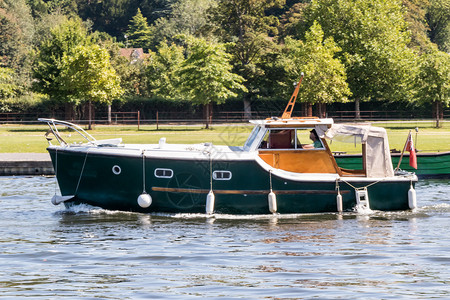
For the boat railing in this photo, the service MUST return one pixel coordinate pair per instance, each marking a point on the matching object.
(52, 123)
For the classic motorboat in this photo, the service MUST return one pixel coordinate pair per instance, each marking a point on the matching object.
(277, 170)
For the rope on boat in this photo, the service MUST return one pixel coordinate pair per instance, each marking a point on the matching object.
(360, 188)
(82, 170)
(143, 172)
(210, 198)
(144, 200)
(210, 171)
(362, 196)
(56, 170)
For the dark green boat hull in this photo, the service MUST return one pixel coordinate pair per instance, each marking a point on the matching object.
(429, 165)
(90, 178)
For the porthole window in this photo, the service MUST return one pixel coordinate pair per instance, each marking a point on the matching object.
(163, 173)
(221, 175)
(116, 170)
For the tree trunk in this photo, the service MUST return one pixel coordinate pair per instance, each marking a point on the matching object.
(438, 113)
(69, 112)
(207, 114)
(307, 109)
(357, 109)
(321, 110)
(109, 114)
(90, 115)
(247, 109)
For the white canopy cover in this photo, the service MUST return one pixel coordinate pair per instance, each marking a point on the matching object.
(378, 157)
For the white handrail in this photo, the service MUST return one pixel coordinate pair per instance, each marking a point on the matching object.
(52, 124)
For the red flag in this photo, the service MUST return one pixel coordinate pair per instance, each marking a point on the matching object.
(412, 152)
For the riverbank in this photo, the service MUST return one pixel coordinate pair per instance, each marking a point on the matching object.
(12, 164)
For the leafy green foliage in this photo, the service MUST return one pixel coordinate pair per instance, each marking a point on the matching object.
(246, 24)
(7, 86)
(48, 62)
(325, 77)
(439, 23)
(206, 75)
(292, 19)
(162, 71)
(373, 39)
(133, 77)
(187, 17)
(417, 24)
(270, 42)
(16, 37)
(434, 78)
(139, 32)
(87, 75)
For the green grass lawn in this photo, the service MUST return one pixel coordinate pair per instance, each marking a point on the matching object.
(30, 138)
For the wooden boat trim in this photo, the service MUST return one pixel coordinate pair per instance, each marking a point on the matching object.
(245, 192)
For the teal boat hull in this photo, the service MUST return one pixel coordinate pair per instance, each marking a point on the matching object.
(429, 165)
(95, 179)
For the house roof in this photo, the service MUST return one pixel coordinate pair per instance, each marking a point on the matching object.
(132, 53)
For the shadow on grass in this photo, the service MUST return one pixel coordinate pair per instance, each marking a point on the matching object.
(43, 130)
(412, 128)
(108, 130)
(28, 130)
(170, 130)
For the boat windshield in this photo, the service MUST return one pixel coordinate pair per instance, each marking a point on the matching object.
(252, 137)
(290, 138)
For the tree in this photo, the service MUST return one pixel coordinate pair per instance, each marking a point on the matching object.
(110, 16)
(417, 23)
(45, 24)
(251, 29)
(290, 20)
(48, 61)
(373, 39)
(87, 76)
(433, 81)
(439, 23)
(206, 77)
(187, 17)
(325, 77)
(48, 64)
(7, 86)
(162, 71)
(139, 32)
(133, 76)
(16, 40)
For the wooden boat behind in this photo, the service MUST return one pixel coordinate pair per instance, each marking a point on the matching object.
(429, 165)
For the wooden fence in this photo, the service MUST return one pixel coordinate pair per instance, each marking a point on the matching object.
(218, 117)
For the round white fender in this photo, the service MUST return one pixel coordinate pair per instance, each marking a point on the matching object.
(272, 198)
(144, 200)
(339, 202)
(412, 201)
(210, 198)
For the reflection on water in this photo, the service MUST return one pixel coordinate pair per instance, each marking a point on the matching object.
(87, 252)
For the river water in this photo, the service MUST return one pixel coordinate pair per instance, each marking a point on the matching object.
(48, 252)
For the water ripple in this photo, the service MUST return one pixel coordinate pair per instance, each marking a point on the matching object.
(85, 252)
